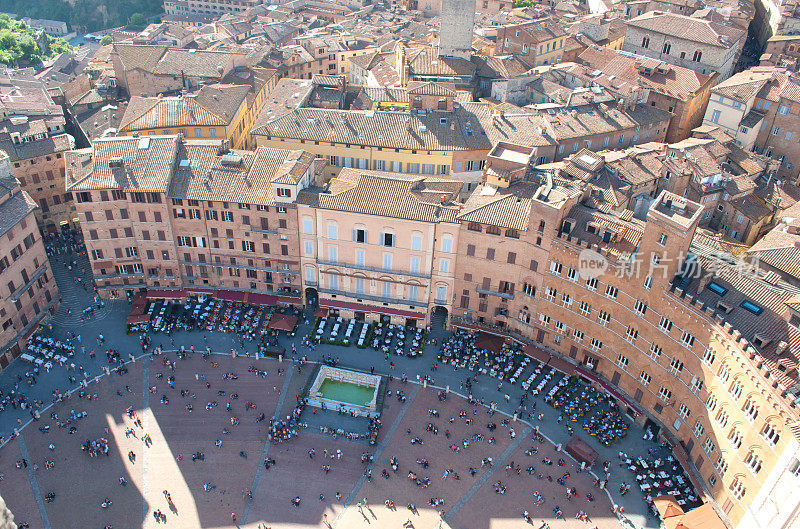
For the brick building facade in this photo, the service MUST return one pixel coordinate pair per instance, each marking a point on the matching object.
(190, 215)
(28, 292)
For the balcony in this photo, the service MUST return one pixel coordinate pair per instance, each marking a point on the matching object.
(262, 230)
(9, 343)
(98, 277)
(246, 267)
(373, 269)
(18, 293)
(504, 295)
(378, 299)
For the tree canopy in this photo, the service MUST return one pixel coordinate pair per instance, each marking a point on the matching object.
(84, 15)
(18, 43)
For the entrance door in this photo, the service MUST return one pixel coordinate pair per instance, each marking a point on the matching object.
(411, 323)
(615, 378)
(360, 316)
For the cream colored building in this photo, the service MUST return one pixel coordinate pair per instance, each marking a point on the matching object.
(376, 244)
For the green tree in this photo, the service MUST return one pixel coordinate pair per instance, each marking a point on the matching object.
(29, 48)
(137, 21)
(105, 41)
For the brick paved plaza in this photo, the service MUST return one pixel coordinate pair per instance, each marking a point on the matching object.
(81, 483)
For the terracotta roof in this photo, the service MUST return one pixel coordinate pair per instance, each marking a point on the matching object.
(745, 85)
(425, 199)
(502, 207)
(196, 63)
(13, 209)
(246, 179)
(135, 164)
(135, 56)
(688, 28)
(778, 249)
(426, 62)
(287, 95)
(168, 60)
(32, 149)
(679, 83)
(213, 105)
(381, 129)
(431, 88)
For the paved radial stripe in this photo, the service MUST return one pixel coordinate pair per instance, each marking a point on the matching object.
(145, 408)
(389, 433)
(265, 452)
(486, 475)
(37, 494)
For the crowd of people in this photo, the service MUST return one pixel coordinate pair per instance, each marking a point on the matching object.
(460, 351)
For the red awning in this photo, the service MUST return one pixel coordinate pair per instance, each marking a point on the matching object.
(193, 291)
(165, 294)
(230, 295)
(138, 318)
(609, 388)
(291, 300)
(358, 307)
(283, 322)
(265, 300)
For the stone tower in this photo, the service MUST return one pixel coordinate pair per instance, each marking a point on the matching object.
(455, 33)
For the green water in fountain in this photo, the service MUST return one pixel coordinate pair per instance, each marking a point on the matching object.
(347, 392)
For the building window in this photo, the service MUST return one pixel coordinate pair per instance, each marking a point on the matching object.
(698, 429)
(750, 409)
(721, 465)
(698, 55)
(645, 42)
(645, 378)
(735, 390)
(709, 357)
(722, 418)
(664, 394)
(770, 434)
(737, 489)
(753, 462)
(735, 437)
(655, 351)
(622, 361)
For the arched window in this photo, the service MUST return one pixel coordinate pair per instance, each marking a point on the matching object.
(771, 434)
(645, 41)
(697, 56)
(667, 47)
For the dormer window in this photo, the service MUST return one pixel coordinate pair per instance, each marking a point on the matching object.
(751, 307)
